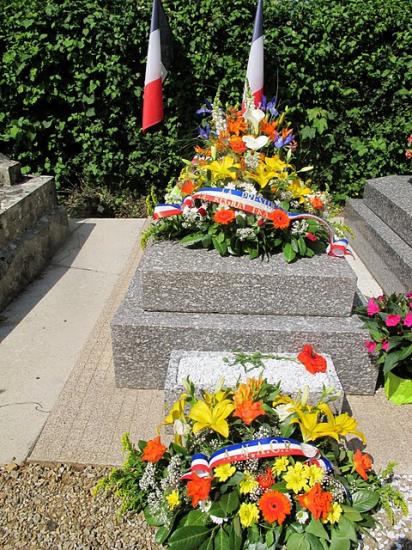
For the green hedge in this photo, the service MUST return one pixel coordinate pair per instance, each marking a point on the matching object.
(72, 71)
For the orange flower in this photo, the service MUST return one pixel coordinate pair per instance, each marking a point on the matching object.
(269, 129)
(314, 362)
(201, 151)
(237, 145)
(318, 502)
(224, 217)
(248, 411)
(363, 463)
(317, 203)
(198, 488)
(236, 124)
(275, 506)
(188, 187)
(247, 390)
(280, 219)
(266, 480)
(154, 450)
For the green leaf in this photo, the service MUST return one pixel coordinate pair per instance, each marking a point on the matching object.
(221, 247)
(351, 513)
(188, 537)
(229, 502)
(222, 540)
(161, 534)
(196, 517)
(316, 528)
(150, 519)
(207, 544)
(302, 246)
(297, 541)
(189, 240)
(289, 253)
(364, 500)
(346, 529)
(338, 542)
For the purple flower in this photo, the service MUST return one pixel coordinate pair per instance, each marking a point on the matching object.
(271, 107)
(372, 307)
(392, 320)
(281, 142)
(408, 320)
(204, 131)
(205, 109)
(370, 346)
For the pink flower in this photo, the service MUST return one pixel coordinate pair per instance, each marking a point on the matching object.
(385, 345)
(311, 237)
(372, 307)
(408, 320)
(370, 346)
(392, 320)
(408, 295)
(381, 298)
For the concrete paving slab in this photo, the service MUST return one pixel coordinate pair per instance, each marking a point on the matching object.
(43, 331)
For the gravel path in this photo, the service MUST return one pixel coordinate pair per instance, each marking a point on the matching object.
(51, 508)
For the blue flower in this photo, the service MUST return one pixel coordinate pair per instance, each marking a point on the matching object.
(271, 107)
(205, 109)
(204, 131)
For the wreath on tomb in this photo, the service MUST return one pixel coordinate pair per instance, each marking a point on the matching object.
(252, 468)
(241, 193)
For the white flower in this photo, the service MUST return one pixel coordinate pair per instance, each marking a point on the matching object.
(245, 233)
(255, 143)
(284, 411)
(181, 428)
(300, 227)
(217, 519)
(254, 116)
(205, 505)
(302, 516)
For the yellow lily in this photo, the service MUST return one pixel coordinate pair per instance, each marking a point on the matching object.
(343, 424)
(222, 169)
(262, 175)
(298, 190)
(311, 428)
(177, 410)
(213, 417)
(276, 164)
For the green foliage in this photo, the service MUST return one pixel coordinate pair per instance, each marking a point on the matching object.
(72, 72)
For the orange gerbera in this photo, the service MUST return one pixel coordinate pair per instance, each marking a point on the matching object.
(317, 203)
(314, 362)
(188, 187)
(280, 219)
(363, 463)
(249, 410)
(269, 129)
(236, 124)
(275, 506)
(198, 488)
(237, 145)
(266, 480)
(224, 217)
(318, 502)
(154, 450)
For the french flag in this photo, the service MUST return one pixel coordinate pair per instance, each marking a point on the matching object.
(255, 70)
(159, 58)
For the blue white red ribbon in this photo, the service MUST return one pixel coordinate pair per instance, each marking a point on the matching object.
(252, 204)
(256, 449)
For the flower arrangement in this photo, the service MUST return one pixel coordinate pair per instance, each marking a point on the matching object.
(252, 468)
(389, 322)
(241, 193)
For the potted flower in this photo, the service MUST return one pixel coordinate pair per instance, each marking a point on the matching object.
(389, 322)
(253, 468)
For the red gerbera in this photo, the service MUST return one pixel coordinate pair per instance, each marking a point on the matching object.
(266, 480)
(198, 488)
(154, 450)
(275, 506)
(318, 502)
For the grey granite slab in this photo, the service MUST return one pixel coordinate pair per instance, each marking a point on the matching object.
(143, 340)
(174, 278)
(390, 198)
(23, 204)
(10, 171)
(207, 369)
(387, 256)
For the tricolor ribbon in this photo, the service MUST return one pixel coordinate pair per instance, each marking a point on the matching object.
(257, 449)
(252, 204)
